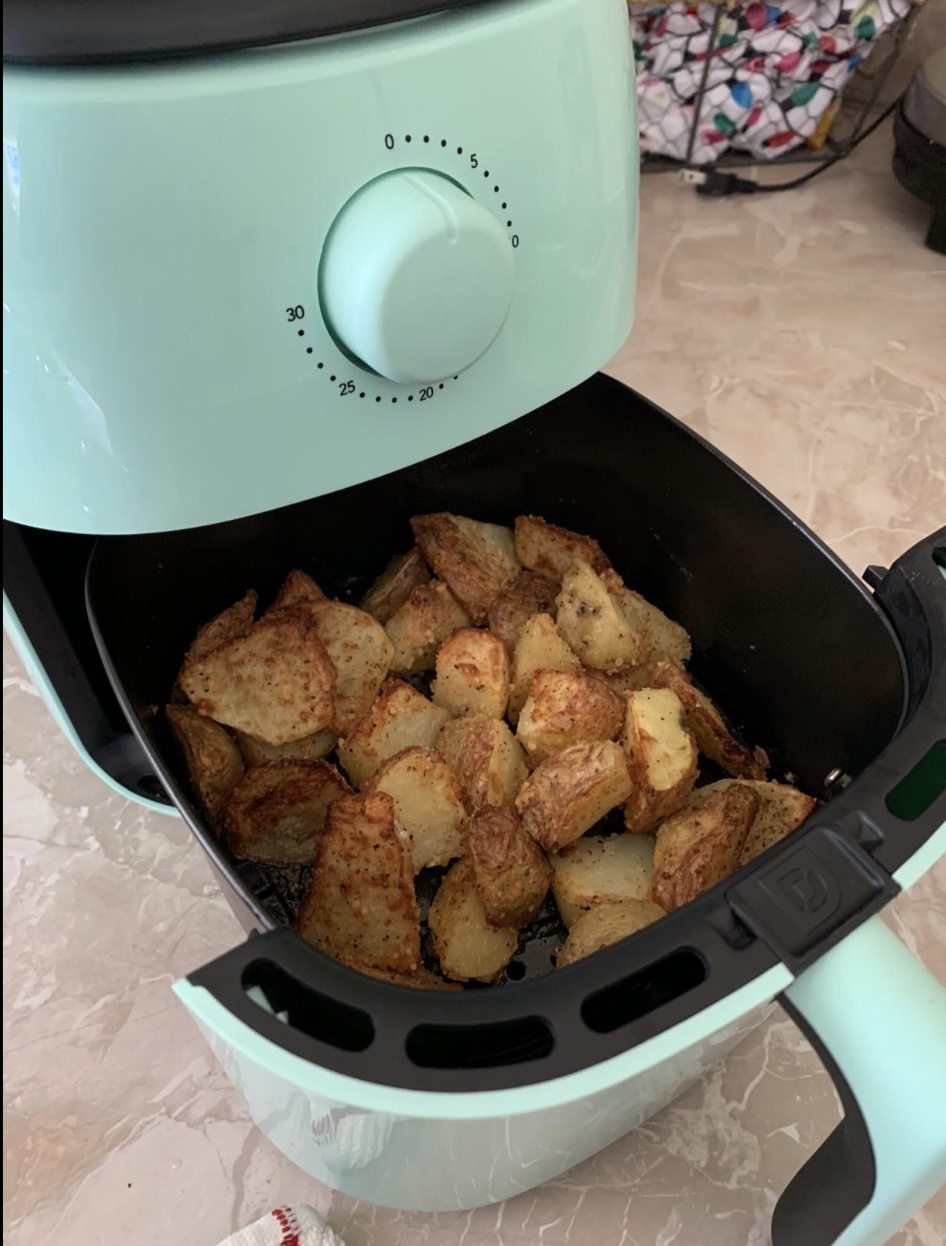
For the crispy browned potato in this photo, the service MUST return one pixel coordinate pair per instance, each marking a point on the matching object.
(360, 905)
(235, 621)
(603, 926)
(361, 653)
(477, 560)
(310, 748)
(464, 942)
(571, 791)
(395, 584)
(297, 589)
(421, 624)
(540, 647)
(528, 595)
(549, 549)
(472, 674)
(661, 757)
(276, 682)
(710, 732)
(662, 639)
(601, 869)
(565, 708)
(277, 810)
(401, 717)
(701, 844)
(589, 619)
(213, 760)
(783, 810)
(511, 871)
(428, 804)
(486, 758)
(418, 979)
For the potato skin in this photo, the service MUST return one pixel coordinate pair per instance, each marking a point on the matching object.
(213, 759)
(601, 869)
(472, 674)
(360, 651)
(486, 758)
(400, 717)
(592, 624)
(570, 792)
(527, 595)
(541, 646)
(565, 708)
(603, 926)
(360, 905)
(428, 804)
(463, 941)
(550, 550)
(313, 747)
(395, 584)
(782, 810)
(701, 844)
(275, 682)
(511, 871)
(297, 589)
(661, 757)
(477, 560)
(710, 732)
(421, 624)
(278, 809)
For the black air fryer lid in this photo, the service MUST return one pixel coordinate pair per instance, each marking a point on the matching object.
(76, 32)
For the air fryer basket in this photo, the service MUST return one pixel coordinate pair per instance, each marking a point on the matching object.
(789, 642)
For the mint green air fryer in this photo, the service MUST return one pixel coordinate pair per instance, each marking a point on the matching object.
(277, 277)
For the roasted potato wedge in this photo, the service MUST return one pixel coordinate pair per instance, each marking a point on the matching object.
(565, 708)
(418, 979)
(463, 941)
(472, 674)
(601, 869)
(526, 596)
(603, 926)
(701, 844)
(278, 809)
(428, 804)
(550, 550)
(783, 810)
(213, 759)
(486, 758)
(477, 560)
(712, 736)
(401, 717)
(360, 905)
(395, 584)
(594, 627)
(361, 653)
(297, 589)
(662, 640)
(229, 624)
(511, 871)
(540, 647)
(661, 757)
(275, 682)
(313, 747)
(421, 624)
(570, 792)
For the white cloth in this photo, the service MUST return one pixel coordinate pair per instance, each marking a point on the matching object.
(286, 1226)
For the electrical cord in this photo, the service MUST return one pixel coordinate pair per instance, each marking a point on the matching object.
(717, 183)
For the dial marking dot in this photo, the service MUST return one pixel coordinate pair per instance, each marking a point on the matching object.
(308, 350)
(378, 399)
(331, 378)
(302, 332)
(443, 142)
(321, 365)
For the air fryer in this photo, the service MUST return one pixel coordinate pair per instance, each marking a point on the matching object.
(237, 342)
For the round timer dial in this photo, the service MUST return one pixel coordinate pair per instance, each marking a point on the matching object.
(416, 277)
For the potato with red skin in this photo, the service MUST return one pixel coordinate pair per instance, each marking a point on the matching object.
(550, 550)
(568, 793)
(486, 758)
(511, 871)
(472, 674)
(213, 760)
(540, 647)
(565, 708)
(395, 584)
(278, 809)
(593, 625)
(712, 736)
(463, 941)
(528, 595)
(476, 560)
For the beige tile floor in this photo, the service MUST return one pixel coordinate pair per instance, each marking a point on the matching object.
(805, 334)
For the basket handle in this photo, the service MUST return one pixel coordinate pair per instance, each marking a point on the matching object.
(878, 1021)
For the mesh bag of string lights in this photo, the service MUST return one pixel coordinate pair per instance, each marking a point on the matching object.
(775, 76)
